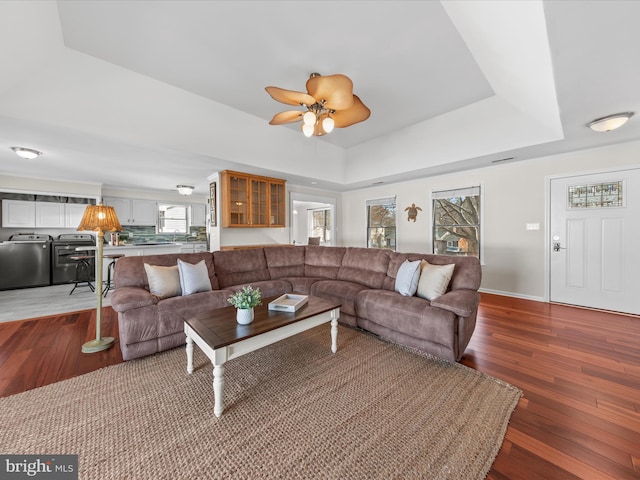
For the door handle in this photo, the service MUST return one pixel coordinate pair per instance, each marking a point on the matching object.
(557, 247)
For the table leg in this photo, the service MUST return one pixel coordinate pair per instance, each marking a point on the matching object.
(189, 354)
(334, 335)
(218, 389)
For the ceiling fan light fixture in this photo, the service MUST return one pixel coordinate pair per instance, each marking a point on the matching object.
(610, 122)
(308, 130)
(26, 153)
(309, 118)
(328, 124)
(185, 189)
(329, 103)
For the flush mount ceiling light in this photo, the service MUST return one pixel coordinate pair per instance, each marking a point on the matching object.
(329, 101)
(26, 153)
(610, 122)
(185, 189)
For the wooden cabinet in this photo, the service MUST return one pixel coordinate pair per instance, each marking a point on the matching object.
(133, 211)
(252, 201)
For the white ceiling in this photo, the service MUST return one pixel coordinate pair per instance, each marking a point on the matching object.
(149, 94)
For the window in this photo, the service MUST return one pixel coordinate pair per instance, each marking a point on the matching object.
(321, 224)
(172, 218)
(381, 223)
(456, 222)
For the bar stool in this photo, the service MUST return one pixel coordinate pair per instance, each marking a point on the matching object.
(112, 265)
(83, 271)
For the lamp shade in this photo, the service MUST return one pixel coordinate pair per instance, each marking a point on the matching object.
(185, 189)
(99, 218)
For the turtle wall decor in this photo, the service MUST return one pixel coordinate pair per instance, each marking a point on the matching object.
(413, 212)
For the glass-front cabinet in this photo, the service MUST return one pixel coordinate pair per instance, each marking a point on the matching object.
(252, 201)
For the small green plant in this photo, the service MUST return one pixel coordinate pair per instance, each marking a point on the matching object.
(248, 297)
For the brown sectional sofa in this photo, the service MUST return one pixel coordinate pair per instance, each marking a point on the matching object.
(361, 279)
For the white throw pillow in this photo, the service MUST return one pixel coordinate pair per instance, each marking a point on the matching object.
(164, 282)
(434, 280)
(194, 278)
(407, 278)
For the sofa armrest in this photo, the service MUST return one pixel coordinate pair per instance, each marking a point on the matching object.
(461, 302)
(128, 298)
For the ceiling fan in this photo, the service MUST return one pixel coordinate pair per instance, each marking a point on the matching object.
(329, 101)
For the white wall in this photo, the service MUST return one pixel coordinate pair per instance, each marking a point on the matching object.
(514, 194)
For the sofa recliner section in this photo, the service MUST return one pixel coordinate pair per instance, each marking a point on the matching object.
(362, 280)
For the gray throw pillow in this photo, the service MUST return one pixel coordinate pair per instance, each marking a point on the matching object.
(407, 278)
(194, 278)
(164, 282)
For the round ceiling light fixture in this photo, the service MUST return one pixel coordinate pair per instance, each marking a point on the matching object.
(610, 122)
(26, 153)
(185, 189)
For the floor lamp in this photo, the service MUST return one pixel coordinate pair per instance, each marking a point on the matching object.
(99, 218)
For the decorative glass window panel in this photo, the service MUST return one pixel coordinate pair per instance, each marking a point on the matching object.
(381, 223)
(456, 222)
(608, 194)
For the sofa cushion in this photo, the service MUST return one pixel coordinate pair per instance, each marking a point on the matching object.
(268, 288)
(193, 278)
(322, 261)
(174, 311)
(164, 282)
(407, 278)
(410, 315)
(434, 280)
(339, 291)
(367, 266)
(302, 284)
(285, 261)
(239, 267)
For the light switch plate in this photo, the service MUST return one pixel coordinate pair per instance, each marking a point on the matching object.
(533, 226)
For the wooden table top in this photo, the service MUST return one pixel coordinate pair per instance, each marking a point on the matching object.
(219, 327)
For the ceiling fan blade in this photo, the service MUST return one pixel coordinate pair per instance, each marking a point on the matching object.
(357, 113)
(336, 90)
(290, 97)
(289, 116)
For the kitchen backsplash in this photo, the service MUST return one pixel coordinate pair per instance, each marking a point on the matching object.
(142, 234)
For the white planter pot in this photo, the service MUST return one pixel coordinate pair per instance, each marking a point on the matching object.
(244, 316)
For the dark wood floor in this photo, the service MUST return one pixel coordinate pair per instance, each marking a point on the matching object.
(579, 371)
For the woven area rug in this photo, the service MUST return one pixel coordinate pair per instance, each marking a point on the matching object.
(292, 410)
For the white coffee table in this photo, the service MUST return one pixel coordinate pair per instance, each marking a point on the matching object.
(221, 338)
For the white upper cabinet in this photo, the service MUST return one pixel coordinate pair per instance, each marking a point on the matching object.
(50, 215)
(18, 214)
(73, 213)
(198, 215)
(133, 211)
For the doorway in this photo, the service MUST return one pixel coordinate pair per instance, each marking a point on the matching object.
(593, 240)
(312, 216)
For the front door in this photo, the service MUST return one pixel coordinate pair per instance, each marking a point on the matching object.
(595, 240)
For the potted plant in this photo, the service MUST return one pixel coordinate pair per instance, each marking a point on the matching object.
(244, 300)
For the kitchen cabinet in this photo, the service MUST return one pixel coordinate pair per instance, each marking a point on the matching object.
(18, 214)
(50, 215)
(198, 215)
(73, 213)
(134, 211)
(252, 201)
(27, 214)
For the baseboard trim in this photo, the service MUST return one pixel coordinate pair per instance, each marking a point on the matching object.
(514, 295)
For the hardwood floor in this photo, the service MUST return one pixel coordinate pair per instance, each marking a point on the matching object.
(579, 371)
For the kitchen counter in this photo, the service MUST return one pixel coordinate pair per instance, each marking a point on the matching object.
(152, 248)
